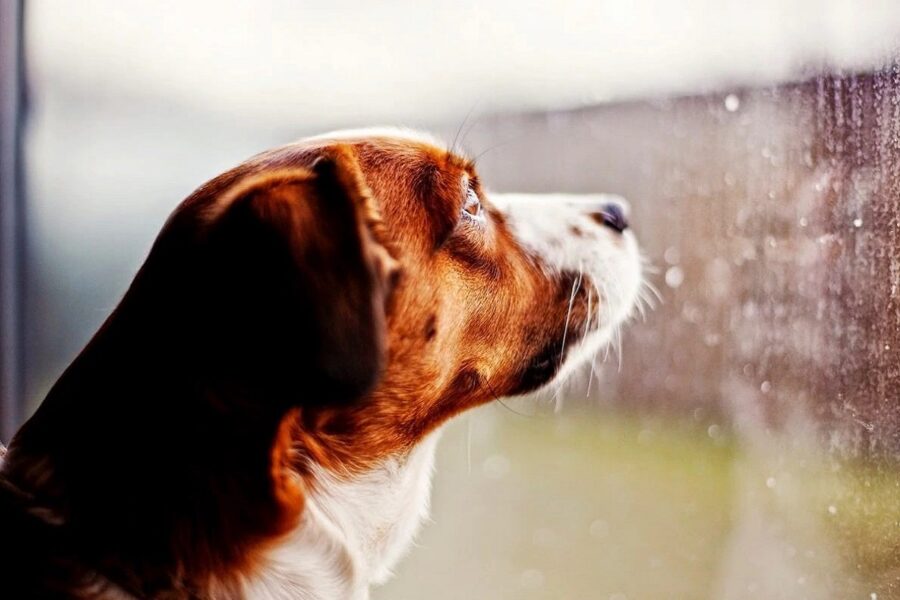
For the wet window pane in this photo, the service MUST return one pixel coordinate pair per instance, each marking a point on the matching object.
(745, 434)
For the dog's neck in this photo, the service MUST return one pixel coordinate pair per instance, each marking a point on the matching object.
(353, 531)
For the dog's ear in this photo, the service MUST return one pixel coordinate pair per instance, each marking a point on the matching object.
(299, 277)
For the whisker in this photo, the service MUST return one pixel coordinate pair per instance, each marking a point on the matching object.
(591, 376)
(619, 348)
(652, 288)
(470, 128)
(490, 148)
(575, 287)
(640, 303)
(453, 146)
(557, 399)
(500, 401)
(469, 445)
(587, 322)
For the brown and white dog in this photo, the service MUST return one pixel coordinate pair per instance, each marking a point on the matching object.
(258, 416)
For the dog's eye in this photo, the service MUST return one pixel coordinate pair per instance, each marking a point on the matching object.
(472, 207)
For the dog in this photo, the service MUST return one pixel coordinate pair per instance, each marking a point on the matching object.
(258, 416)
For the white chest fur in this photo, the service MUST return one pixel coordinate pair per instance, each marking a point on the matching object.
(352, 531)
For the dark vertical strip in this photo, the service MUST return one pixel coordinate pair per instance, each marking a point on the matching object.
(12, 215)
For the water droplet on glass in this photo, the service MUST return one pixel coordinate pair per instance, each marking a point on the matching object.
(531, 579)
(672, 255)
(765, 386)
(832, 509)
(808, 158)
(599, 528)
(732, 102)
(713, 431)
(803, 222)
(674, 277)
(544, 537)
(770, 482)
(857, 222)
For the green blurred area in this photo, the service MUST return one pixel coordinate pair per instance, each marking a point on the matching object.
(618, 507)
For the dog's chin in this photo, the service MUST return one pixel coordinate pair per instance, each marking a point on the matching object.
(540, 370)
(563, 354)
(579, 345)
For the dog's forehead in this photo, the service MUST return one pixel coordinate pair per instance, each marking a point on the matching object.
(417, 151)
(392, 133)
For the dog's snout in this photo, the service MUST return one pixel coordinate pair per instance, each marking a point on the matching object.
(612, 215)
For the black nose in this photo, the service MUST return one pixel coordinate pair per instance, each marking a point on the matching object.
(613, 216)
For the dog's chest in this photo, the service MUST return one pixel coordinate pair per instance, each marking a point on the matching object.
(352, 532)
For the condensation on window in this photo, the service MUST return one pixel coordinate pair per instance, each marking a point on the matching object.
(743, 440)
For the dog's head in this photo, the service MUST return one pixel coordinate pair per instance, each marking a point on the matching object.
(325, 305)
(371, 275)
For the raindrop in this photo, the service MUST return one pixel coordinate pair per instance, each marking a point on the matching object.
(732, 102)
(808, 159)
(748, 310)
(803, 222)
(531, 579)
(674, 277)
(544, 537)
(857, 222)
(770, 482)
(713, 431)
(599, 528)
(832, 509)
(672, 255)
(765, 386)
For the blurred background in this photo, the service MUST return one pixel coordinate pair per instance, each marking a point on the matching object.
(745, 441)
